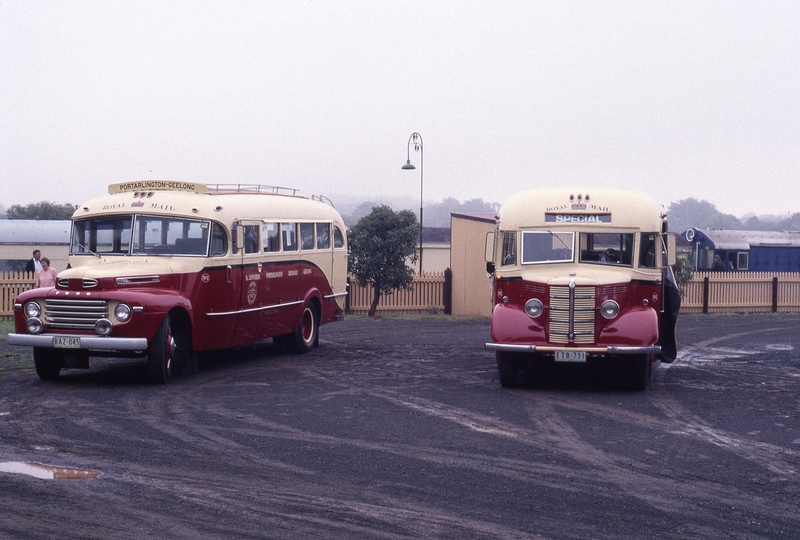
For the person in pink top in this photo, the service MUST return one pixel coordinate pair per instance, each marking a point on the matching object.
(47, 275)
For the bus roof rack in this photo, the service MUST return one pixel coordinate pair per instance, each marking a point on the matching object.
(322, 199)
(252, 188)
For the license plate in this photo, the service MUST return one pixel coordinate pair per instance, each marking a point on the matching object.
(570, 356)
(67, 342)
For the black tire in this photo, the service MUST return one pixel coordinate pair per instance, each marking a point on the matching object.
(507, 369)
(161, 354)
(306, 337)
(639, 372)
(48, 362)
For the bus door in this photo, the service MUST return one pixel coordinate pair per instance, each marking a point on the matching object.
(251, 301)
(224, 279)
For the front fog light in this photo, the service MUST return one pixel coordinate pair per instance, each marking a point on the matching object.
(534, 307)
(33, 309)
(34, 325)
(609, 309)
(103, 327)
(122, 312)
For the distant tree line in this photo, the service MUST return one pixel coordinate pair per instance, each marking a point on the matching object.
(42, 211)
(435, 215)
(690, 212)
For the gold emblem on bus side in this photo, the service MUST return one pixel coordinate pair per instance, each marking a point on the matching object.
(252, 292)
(205, 278)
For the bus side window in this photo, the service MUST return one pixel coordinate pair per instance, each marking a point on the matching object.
(509, 256)
(289, 234)
(271, 237)
(338, 237)
(323, 236)
(306, 236)
(647, 250)
(251, 238)
(219, 242)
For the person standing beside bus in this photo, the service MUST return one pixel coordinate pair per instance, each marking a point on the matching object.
(34, 265)
(47, 275)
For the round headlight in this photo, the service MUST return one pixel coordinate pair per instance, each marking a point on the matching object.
(103, 327)
(33, 309)
(609, 309)
(122, 312)
(534, 307)
(34, 325)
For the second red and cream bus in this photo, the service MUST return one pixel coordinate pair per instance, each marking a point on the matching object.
(164, 269)
(582, 275)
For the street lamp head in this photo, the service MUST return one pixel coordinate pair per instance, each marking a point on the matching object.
(408, 166)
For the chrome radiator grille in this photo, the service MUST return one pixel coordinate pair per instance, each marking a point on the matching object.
(572, 314)
(73, 313)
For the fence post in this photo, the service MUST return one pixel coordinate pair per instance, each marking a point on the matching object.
(447, 292)
(775, 294)
(705, 295)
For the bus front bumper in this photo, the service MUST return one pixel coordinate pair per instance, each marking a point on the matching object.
(513, 347)
(78, 342)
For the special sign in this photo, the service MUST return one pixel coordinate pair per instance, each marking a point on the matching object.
(577, 218)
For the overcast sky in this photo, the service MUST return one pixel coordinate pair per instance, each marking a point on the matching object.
(678, 99)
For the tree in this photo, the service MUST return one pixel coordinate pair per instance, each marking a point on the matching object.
(379, 244)
(42, 210)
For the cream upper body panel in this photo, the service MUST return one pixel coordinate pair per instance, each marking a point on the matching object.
(199, 202)
(581, 208)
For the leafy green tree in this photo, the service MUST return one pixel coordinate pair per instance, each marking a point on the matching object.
(379, 244)
(41, 210)
(683, 271)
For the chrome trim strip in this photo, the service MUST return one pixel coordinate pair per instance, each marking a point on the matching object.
(337, 295)
(512, 347)
(87, 342)
(262, 308)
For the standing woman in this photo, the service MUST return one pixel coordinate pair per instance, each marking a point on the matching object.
(47, 275)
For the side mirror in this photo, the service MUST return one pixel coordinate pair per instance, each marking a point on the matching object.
(490, 267)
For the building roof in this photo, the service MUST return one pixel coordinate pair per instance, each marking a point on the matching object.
(34, 231)
(744, 240)
(488, 218)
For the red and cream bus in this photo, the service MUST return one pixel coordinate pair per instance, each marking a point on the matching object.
(165, 269)
(582, 275)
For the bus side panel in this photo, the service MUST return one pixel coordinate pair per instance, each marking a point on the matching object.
(278, 286)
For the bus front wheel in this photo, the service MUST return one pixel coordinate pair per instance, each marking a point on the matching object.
(639, 372)
(507, 369)
(160, 354)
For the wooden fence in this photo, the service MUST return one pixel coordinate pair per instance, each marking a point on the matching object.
(12, 284)
(708, 292)
(751, 292)
(431, 293)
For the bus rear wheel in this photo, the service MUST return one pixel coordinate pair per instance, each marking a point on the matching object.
(306, 337)
(48, 362)
(161, 354)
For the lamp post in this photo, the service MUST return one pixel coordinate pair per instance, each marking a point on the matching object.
(416, 138)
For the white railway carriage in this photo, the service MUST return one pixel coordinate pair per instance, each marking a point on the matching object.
(165, 269)
(582, 275)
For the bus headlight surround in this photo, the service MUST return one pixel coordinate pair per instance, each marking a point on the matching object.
(609, 309)
(123, 312)
(34, 325)
(103, 327)
(534, 308)
(32, 309)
